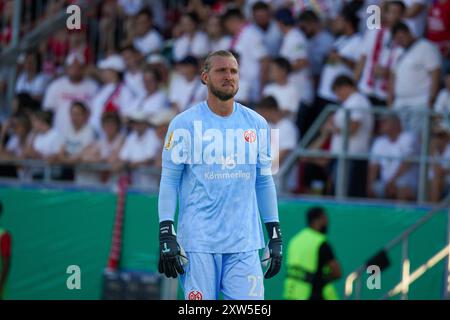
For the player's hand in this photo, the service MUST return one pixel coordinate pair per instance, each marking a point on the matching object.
(275, 248)
(170, 258)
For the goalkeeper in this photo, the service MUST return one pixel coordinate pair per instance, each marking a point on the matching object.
(217, 166)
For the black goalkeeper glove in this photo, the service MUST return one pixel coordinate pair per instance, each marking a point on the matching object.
(170, 253)
(275, 249)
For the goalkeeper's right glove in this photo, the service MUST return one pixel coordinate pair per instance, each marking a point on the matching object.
(170, 252)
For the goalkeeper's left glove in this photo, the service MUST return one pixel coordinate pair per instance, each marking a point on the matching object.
(275, 248)
(171, 255)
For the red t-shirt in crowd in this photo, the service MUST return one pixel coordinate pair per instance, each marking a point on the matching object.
(438, 24)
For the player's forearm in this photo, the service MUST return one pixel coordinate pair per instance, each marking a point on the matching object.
(266, 196)
(168, 191)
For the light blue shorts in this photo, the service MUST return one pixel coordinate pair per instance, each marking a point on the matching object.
(238, 276)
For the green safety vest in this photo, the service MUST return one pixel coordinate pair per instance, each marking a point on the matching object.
(302, 263)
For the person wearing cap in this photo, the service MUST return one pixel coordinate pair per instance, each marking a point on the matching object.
(392, 178)
(73, 86)
(113, 96)
(439, 175)
(154, 100)
(185, 88)
(294, 48)
(139, 150)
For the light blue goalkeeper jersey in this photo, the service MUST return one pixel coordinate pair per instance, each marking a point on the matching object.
(219, 158)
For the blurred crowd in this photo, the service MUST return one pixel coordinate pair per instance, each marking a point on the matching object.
(107, 92)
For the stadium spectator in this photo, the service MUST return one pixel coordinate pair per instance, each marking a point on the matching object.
(392, 178)
(160, 122)
(113, 96)
(106, 149)
(412, 100)
(287, 135)
(32, 80)
(79, 136)
(155, 99)
(19, 140)
(439, 175)
(73, 86)
(438, 26)
(192, 41)
(145, 37)
(284, 92)
(416, 16)
(186, 88)
(359, 129)
(248, 43)
(442, 103)
(133, 77)
(139, 151)
(320, 41)
(161, 64)
(377, 44)
(272, 36)
(295, 49)
(341, 60)
(24, 103)
(218, 40)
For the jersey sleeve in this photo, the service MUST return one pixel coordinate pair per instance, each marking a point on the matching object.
(264, 159)
(177, 146)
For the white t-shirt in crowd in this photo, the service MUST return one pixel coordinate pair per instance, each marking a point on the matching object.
(135, 83)
(404, 146)
(137, 149)
(197, 46)
(149, 105)
(120, 98)
(293, 48)
(442, 103)
(13, 145)
(151, 42)
(418, 23)
(288, 135)
(369, 83)
(250, 47)
(186, 94)
(287, 96)
(49, 143)
(107, 148)
(348, 47)
(359, 107)
(75, 141)
(61, 93)
(35, 87)
(412, 66)
(223, 43)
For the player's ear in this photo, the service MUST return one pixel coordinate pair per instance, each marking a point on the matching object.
(204, 77)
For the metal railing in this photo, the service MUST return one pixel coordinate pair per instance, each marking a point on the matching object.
(423, 159)
(407, 278)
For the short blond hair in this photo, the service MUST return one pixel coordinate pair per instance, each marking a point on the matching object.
(218, 53)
